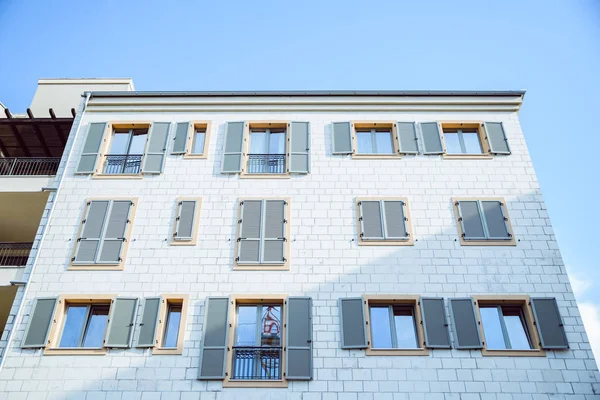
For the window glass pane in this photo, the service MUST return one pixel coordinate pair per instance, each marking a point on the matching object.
(119, 142)
(277, 143)
(172, 328)
(246, 326)
(452, 142)
(383, 142)
(472, 143)
(138, 141)
(270, 326)
(198, 145)
(96, 327)
(404, 322)
(363, 141)
(381, 332)
(492, 329)
(73, 327)
(515, 327)
(258, 142)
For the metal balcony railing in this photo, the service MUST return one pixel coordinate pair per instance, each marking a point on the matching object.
(257, 363)
(123, 164)
(266, 163)
(14, 253)
(29, 166)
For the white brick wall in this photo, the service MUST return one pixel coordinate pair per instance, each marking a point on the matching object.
(326, 263)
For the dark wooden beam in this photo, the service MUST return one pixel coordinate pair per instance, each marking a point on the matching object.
(60, 134)
(73, 112)
(3, 149)
(8, 114)
(39, 135)
(16, 133)
(39, 121)
(29, 113)
(51, 111)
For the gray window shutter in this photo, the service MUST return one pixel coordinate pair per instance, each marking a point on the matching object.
(395, 220)
(432, 138)
(91, 233)
(36, 333)
(495, 220)
(121, 322)
(114, 233)
(470, 219)
(370, 219)
(91, 148)
(154, 158)
(435, 324)
(352, 323)
(185, 220)
(274, 232)
(299, 362)
(549, 323)
(233, 148)
(213, 349)
(342, 138)
(496, 138)
(407, 138)
(250, 231)
(181, 137)
(466, 327)
(148, 325)
(299, 147)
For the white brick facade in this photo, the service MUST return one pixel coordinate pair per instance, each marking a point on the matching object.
(325, 263)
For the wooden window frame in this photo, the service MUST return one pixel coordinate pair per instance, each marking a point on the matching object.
(189, 143)
(59, 317)
(166, 301)
(104, 266)
(412, 300)
(385, 242)
(257, 299)
(488, 242)
(285, 266)
(248, 126)
(354, 125)
(196, 222)
(523, 301)
(480, 126)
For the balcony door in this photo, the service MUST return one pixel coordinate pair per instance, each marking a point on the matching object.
(126, 151)
(267, 151)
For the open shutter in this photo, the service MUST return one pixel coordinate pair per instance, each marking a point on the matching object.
(342, 138)
(91, 233)
(395, 220)
(181, 135)
(36, 333)
(274, 232)
(121, 322)
(370, 219)
(250, 231)
(470, 219)
(495, 220)
(299, 147)
(186, 214)
(154, 158)
(149, 322)
(233, 148)
(496, 138)
(432, 139)
(114, 233)
(299, 362)
(466, 327)
(407, 138)
(435, 324)
(549, 323)
(91, 148)
(213, 349)
(352, 323)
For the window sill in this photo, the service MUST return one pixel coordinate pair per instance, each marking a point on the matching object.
(95, 267)
(409, 242)
(74, 352)
(467, 156)
(187, 156)
(254, 384)
(261, 267)
(117, 176)
(264, 176)
(397, 352)
(511, 242)
(375, 156)
(164, 351)
(183, 242)
(513, 353)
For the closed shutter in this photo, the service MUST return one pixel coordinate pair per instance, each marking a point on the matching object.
(91, 148)
(185, 220)
(36, 333)
(149, 323)
(495, 220)
(342, 138)
(432, 139)
(352, 323)
(250, 231)
(395, 220)
(274, 232)
(213, 349)
(121, 322)
(181, 136)
(370, 219)
(232, 148)
(407, 138)
(549, 323)
(299, 362)
(91, 232)
(470, 220)
(435, 324)
(466, 327)
(299, 147)
(154, 158)
(114, 233)
(496, 138)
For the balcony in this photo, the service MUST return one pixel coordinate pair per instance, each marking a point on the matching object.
(14, 254)
(266, 164)
(256, 363)
(29, 166)
(129, 164)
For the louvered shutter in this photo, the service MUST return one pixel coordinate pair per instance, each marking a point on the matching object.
(181, 136)
(470, 219)
(342, 138)
(250, 231)
(465, 325)
(496, 138)
(432, 139)
(352, 323)
(395, 220)
(114, 233)
(213, 349)
(36, 333)
(407, 138)
(91, 148)
(549, 323)
(149, 323)
(370, 219)
(435, 324)
(299, 361)
(154, 158)
(495, 220)
(186, 214)
(91, 233)
(121, 322)
(299, 147)
(233, 148)
(274, 232)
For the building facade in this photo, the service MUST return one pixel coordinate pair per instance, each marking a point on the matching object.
(297, 245)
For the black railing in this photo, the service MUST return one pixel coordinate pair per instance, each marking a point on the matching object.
(29, 166)
(257, 363)
(14, 253)
(123, 164)
(266, 163)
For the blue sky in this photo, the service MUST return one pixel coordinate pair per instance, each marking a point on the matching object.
(551, 48)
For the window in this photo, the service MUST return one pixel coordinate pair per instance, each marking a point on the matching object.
(267, 151)
(171, 324)
(384, 221)
(84, 326)
(191, 139)
(126, 151)
(198, 140)
(463, 141)
(185, 226)
(374, 139)
(483, 222)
